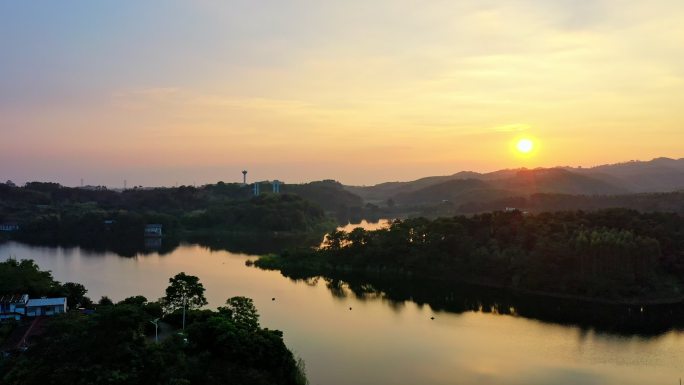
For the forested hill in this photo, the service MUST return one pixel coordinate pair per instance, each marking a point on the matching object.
(327, 194)
(614, 254)
(657, 175)
(50, 213)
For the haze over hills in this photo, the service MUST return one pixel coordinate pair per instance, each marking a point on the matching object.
(657, 175)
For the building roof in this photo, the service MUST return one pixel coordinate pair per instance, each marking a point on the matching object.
(14, 298)
(47, 302)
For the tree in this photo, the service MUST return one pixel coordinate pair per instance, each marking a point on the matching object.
(242, 312)
(184, 291)
(335, 240)
(137, 300)
(74, 292)
(105, 301)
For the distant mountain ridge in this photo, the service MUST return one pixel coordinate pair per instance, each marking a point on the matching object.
(657, 175)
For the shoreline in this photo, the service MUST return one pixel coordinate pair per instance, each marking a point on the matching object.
(265, 262)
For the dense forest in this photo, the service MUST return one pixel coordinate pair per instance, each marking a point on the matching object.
(114, 343)
(537, 203)
(615, 254)
(51, 213)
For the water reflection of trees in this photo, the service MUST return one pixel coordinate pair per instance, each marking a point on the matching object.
(123, 248)
(456, 298)
(256, 243)
(245, 243)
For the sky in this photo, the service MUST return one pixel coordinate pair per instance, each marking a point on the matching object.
(165, 92)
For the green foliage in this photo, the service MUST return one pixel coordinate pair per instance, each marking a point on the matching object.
(242, 312)
(24, 277)
(6, 328)
(607, 254)
(647, 202)
(267, 212)
(108, 220)
(112, 346)
(328, 194)
(75, 294)
(184, 290)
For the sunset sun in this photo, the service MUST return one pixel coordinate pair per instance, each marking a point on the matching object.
(525, 146)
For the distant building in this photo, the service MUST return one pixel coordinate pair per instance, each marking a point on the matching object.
(45, 306)
(153, 230)
(9, 226)
(17, 306)
(13, 306)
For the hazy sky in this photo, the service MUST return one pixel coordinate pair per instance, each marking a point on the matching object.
(363, 91)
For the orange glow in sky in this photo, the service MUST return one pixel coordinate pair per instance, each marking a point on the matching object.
(367, 92)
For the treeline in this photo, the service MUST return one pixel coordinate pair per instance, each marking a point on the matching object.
(608, 254)
(53, 214)
(328, 194)
(646, 202)
(115, 343)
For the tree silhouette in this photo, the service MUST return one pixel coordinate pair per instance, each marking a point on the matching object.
(184, 292)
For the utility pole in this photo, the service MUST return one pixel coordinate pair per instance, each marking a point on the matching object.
(183, 311)
(156, 328)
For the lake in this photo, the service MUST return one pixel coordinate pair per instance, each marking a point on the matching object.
(380, 341)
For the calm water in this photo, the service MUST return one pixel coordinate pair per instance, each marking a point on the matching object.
(381, 341)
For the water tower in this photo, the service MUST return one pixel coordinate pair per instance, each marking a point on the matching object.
(244, 177)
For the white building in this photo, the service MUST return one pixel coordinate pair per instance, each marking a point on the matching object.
(45, 306)
(17, 306)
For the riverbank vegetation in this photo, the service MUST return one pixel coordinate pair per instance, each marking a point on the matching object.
(48, 213)
(617, 254)
(114, 343)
